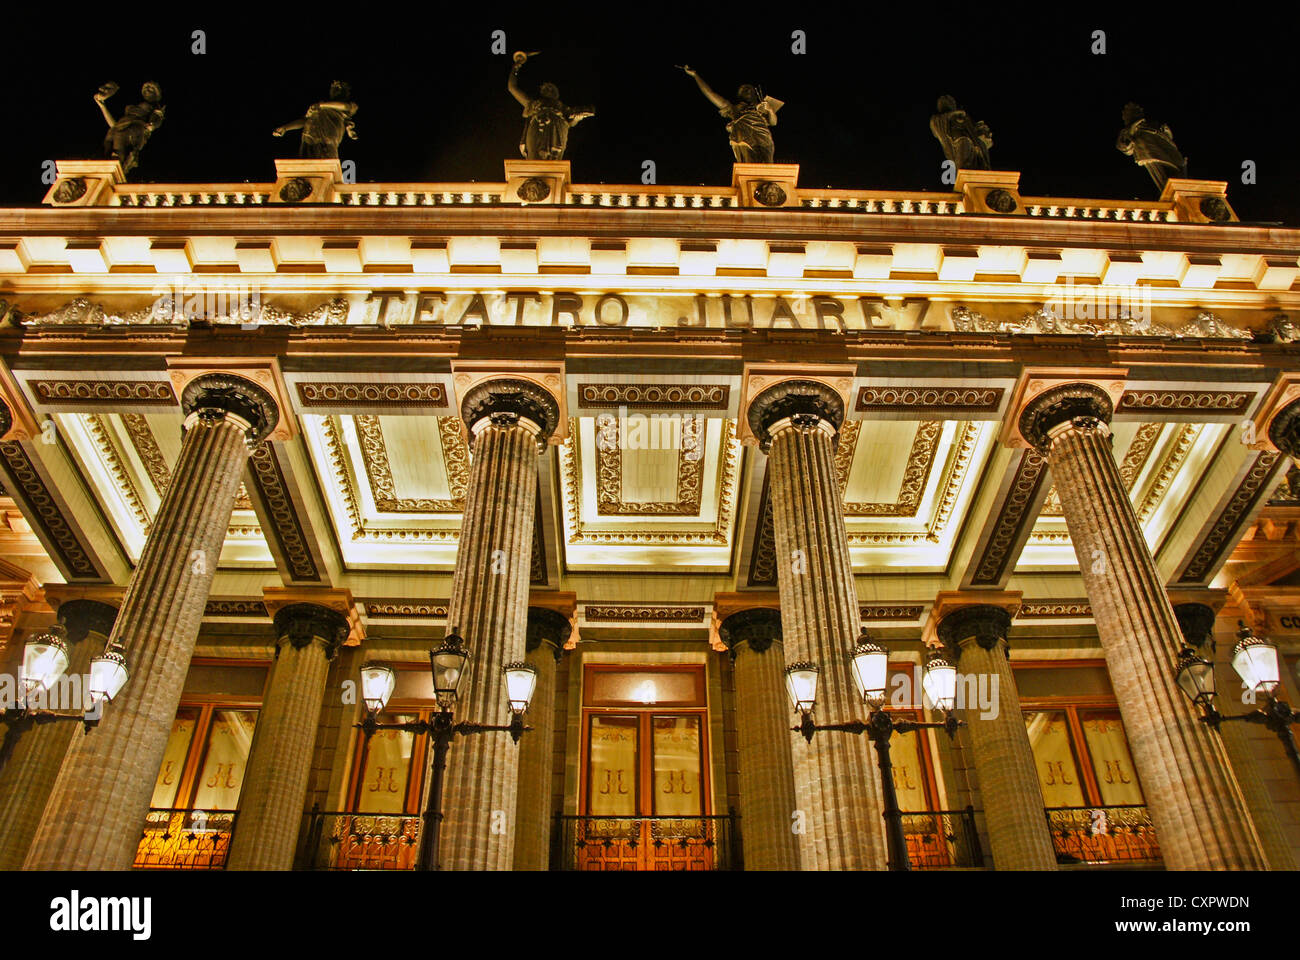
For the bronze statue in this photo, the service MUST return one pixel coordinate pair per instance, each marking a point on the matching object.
(1150, 146)
(546, 135)
(965, 142)
(325, 124)
(751, 117)
(126, 137)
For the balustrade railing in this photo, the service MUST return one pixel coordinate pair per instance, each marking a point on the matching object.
(646, 843)
(942, 838)
(341, 840)
(1108, 834)
(176, 839)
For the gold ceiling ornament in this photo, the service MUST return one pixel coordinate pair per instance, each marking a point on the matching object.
(609, 471)
(580, 534)
(920, 461)
(1188, 434)
(374, 455)
(101, 433)
(155, 464)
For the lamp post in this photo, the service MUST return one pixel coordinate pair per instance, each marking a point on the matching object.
(45, 660)
(870, 667)
(448, 662)
(1255, 660)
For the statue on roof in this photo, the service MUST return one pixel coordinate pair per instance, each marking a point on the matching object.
(546, 135)
(965, 142)
(128, 134)
(750, 117)
(1151, 146)
(325, 124)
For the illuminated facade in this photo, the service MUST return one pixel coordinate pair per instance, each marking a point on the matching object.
(659, 442)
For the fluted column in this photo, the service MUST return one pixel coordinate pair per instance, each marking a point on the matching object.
(30, 773)
(548, 631)
(508, 421)
(975, 638)
(837, 788)
(96, 811)
(766, 765)
(309, 636)
(1194, 801)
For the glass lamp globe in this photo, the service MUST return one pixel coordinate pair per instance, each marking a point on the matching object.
(1255, 661)
(108, 675)
(940, 683)
(870, 663)
(45, 658)
(449, 662)
(521, 681)
(1195, 677)
(801, 685)
(377, 685)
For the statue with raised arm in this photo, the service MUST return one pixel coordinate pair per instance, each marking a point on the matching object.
(546, 135)
(1150, 146)
(325, 124)
(750, 119)
(965, 142)
(127, 136)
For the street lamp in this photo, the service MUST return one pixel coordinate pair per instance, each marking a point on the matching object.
(448, 663)
(1256, 662)
(45, 660)
(869, 665)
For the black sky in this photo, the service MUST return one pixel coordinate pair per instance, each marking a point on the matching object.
(433, 104)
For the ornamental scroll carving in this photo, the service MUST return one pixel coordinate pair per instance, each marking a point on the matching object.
(1046, 320)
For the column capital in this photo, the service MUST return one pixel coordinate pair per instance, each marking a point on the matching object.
(529, 392)
(298, 611)
(802, 404)
(759, 627)
(17, 422)
(1047, 398)
(550, 627)
(960, 615)
(252, 390)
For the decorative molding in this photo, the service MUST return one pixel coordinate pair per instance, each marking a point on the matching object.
(793, 398)
(627, 613)
(46, 512)
(1164, 474)
(424, 609)
(1060, 404)
(920, 461)
(1049, 609)
(104, 393)
(712, 396)
(1222, 535)
(268, 477)
(236, 608)
(1222, 402)
(155, 464)
(371, 394)
(874, 611)
(952, 402)
(1045, 320)
(1012, 517)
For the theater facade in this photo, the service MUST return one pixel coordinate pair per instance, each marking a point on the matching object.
(661, 444)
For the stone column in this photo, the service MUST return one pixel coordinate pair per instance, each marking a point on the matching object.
(508, 420)
(763, 721)
(975, 639)
(97, 809)
(29, 776)
(837, 786)
(1196, 621)
(1194, 801)
(548, 631)
(309, 636)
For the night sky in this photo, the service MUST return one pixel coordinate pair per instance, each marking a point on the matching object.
(433, 103)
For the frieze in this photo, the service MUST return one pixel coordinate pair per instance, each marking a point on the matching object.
(269, 478)
(371, 394)
(436, 609)
(1012, 517)
(1047, 321)
(642, 614)
(1041, 610)
(235, 608)
(104, 392)
(886, 612)
(1178, 401)
(633, 395)
(931, 400)
(29, 482)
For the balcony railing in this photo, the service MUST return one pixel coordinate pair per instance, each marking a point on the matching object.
(185, 840)
(1097, 835)
(942, 838)
(646, 843)
(340, 840)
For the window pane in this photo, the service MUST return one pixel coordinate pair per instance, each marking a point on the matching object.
(909, 774)
(612, 767)
(677, 766)
(173, 765)
(226, 760)
(388, 769)
(1108, 747)
(1049, 735)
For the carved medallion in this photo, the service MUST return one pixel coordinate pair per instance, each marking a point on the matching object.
(533, 190)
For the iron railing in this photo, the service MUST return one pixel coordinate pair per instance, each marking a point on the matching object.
(942, 838)
(1107, 834)
(646, 843)
(176, 839)
(343, 840)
